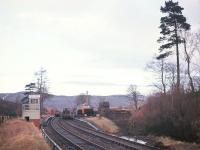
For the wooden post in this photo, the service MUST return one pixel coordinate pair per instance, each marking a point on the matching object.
(0, 120)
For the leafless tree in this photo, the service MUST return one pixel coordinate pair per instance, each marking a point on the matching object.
(42, 81)
(41, 85)
(191, 41)
(158, 66)
(162, 57)
(197, 49)
(134, 95)
(189, 49)
(197, 37)
(171, 75)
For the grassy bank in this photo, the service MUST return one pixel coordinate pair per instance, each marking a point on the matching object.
(105, 124)
(172, 144)
(20, 135)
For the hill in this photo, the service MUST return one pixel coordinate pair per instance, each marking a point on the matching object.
(60, 102)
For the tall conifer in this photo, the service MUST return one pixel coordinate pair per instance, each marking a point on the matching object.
(171, 25)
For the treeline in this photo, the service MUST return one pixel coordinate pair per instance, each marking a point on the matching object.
(176, 115)
(10, 108)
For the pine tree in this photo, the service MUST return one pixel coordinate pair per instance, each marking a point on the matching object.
(171, 25)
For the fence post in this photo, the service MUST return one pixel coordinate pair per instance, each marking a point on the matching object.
(4, 119)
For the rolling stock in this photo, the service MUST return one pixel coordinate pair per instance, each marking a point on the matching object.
(84, 111)
(66, 114)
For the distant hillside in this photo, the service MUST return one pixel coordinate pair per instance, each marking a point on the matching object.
(61, 102)
(12, 97)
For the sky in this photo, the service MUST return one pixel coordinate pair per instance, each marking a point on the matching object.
(100, 46)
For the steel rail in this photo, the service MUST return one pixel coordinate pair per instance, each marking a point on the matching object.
(86, 140)
(50, 139)
(113, 145)
(67, 139)
(114, 139)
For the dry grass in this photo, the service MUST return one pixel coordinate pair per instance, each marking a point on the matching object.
(20, 135)
(177, 145)
(168, 141)
(105, 124)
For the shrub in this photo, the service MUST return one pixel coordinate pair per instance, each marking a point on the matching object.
(175, 115)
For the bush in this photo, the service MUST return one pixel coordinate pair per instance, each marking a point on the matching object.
(175, 115)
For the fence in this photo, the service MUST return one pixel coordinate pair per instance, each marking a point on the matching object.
(3, 119)
(52, 144)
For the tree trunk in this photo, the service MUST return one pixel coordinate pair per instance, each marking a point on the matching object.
(162, 77)
(188, 67)
(177, 60)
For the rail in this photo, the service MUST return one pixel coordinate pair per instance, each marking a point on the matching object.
(52, 144)
(114, 139)
(56, 127)
(92, 139)
(86, 140)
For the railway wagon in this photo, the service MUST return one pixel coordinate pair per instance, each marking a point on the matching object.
(57, 114)
(66, 114)
(84, 111)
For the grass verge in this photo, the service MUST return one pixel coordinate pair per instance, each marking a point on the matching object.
(177, 145)
(20, 135)
(105, 124)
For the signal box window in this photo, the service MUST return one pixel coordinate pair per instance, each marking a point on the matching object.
(34, 101)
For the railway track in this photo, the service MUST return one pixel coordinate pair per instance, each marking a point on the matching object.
(70, 140)
(114, 142)
(63, 142)
(93, 138)
(85, 125)
(75, 135)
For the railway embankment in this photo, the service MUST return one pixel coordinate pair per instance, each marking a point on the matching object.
(104, 123)
(17, 134)
(164, 142)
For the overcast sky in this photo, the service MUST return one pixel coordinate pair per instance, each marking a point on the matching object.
(97, 45)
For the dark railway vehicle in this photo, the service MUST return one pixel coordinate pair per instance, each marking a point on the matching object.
(66, 114)
(57, 114)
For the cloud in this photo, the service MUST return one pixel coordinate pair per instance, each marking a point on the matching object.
(102, 44)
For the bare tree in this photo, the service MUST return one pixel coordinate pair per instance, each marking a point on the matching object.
(42, 81)
(171, 75)
(197, 49)
(189, 47)
(191, 41)
(162, 57)
(134, 95)
(197, 36)
(158, 66)
(41, 85)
